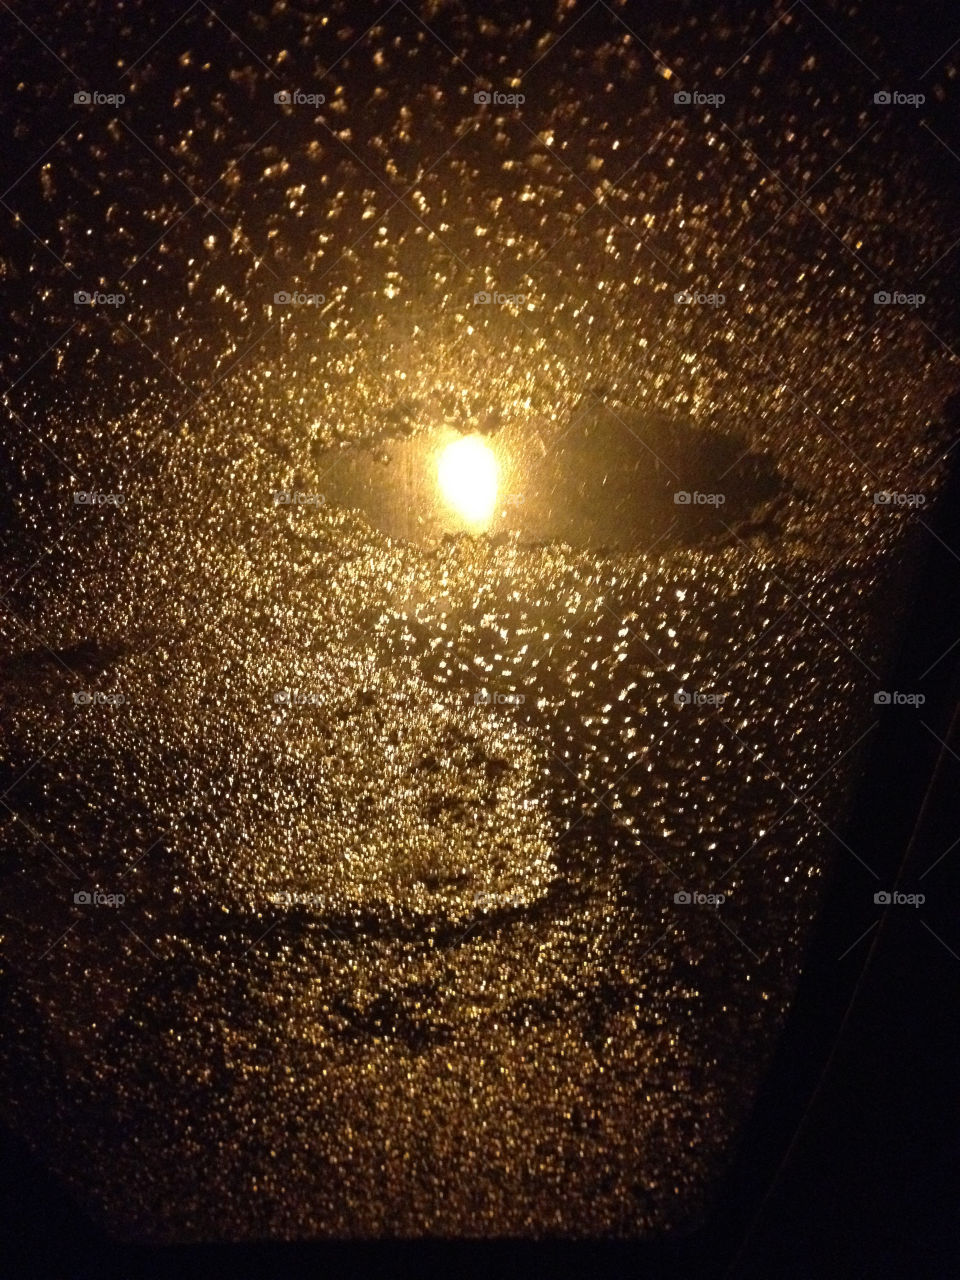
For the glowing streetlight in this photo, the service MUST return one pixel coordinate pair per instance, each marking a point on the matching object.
(468, 476)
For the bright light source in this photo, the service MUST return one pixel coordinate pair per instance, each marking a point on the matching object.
(467, 472)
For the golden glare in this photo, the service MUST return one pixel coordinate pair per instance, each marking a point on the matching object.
(467, 473)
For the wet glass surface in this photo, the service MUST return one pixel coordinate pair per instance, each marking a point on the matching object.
(409, 765)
